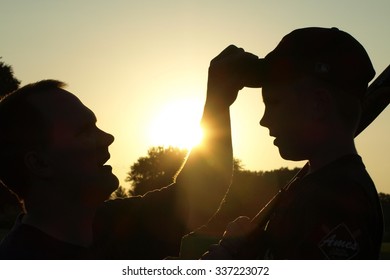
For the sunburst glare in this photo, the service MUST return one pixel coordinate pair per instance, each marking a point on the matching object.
(177, 124)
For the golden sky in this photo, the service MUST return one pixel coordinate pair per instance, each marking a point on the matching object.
(141, 66)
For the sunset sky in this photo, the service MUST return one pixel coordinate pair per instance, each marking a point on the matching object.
(141, 66)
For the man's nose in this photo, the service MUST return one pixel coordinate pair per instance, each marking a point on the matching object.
(106, 138)
(263, 121)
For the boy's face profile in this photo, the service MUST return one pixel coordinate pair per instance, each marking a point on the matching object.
(290, 119)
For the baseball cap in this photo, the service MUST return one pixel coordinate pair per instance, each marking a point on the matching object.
(327, 53)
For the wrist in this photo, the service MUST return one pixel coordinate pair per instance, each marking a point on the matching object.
(220, 98)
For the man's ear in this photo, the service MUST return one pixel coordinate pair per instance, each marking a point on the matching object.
(37, 164)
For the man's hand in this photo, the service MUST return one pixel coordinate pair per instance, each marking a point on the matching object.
(229, 72)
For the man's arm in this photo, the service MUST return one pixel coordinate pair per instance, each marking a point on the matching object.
(206, 175)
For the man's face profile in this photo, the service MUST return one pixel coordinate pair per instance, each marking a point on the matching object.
(77, 149)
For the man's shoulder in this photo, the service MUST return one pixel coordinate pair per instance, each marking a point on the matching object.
(27, 242)
(134, 212)
(9, 245)
(141, 227)
(155, 197)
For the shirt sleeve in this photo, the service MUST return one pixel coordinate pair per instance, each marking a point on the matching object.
(142, 227)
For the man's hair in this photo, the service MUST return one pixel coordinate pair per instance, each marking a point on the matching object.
(22, 129)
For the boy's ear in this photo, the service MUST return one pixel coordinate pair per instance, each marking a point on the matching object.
(37, 164)
(322, 103)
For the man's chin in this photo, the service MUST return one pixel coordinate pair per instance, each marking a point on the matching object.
(112, 183)
(106, 186)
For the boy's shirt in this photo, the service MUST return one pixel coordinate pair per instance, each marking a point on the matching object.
(333, 213)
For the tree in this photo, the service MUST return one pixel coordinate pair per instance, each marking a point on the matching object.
(8, 82)
(9, 204)
(120, 192)
(156, 170)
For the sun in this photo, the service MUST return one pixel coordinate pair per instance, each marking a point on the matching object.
(177, 124)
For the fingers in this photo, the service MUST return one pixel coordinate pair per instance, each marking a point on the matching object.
(217, 252)
(228, 51)
(239, 227)
(229, 72)
(234, 55)
(236, 66)
(233, 238)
